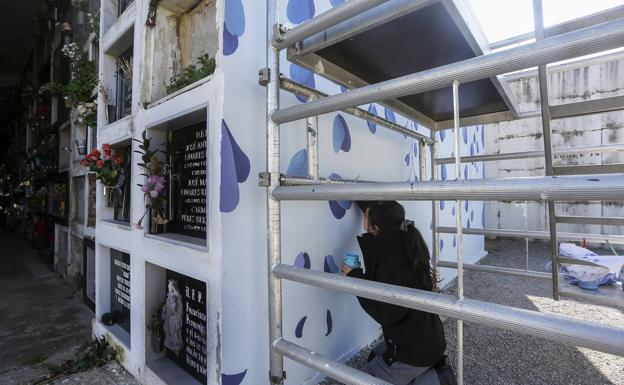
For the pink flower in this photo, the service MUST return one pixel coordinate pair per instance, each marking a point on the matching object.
(153, 194)
(145, 188)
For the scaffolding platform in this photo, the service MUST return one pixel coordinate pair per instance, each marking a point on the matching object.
(371, 48)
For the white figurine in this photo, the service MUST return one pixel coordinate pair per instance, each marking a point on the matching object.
(172, 318)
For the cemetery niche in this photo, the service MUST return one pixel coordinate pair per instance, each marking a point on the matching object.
(184, 324)
(186, 148)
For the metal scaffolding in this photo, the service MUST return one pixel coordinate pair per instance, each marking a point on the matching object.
(589, 35)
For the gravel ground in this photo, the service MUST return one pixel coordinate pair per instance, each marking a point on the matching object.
(494, 356)
(109, 374)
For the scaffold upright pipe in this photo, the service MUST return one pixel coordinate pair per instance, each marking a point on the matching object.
(542, 75)
(312, 147)
(276, 360)
(459, 241)
(574, 44)
(435, 214)
(324, 21)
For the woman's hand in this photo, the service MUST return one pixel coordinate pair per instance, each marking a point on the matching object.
(345, 270)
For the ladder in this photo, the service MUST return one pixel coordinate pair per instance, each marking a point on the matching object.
(283, 187)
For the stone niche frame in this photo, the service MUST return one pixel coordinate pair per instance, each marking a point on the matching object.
(183, 31)
(159, 134)
(163, 364)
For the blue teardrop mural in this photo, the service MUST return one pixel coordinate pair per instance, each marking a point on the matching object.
(441, 245)
(235, 167)
(465, 134)
(343, 89)
(299, 328)
(442, 205)
(298, 165)
(372, 127)
(466, 172)
(443, 171)
(330, 266)
(454, 240)
(299, 11)
(233, 26)
(466, 206)
(330, 323)
(482, 136)
(407, 159)
(230, 42)
(389, 114)
(341, 137)
(472, 149)
(335, 3)
(468, 224)
(442, 135)
(483, 215)
(302, 260)
(453, 211)
(338, 208)
(303, 76)
(233, 379)
(472, 215)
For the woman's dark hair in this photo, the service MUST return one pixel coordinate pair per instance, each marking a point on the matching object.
(388, 217)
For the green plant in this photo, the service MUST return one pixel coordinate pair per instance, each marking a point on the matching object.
(189, 75)
(52, 88)
(153, 188)
(84, 78)
(92, 354)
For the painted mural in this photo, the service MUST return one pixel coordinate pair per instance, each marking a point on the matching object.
(315, 235)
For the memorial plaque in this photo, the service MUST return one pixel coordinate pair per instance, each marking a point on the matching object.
(192, 358)
(187, 155)
(120, 288)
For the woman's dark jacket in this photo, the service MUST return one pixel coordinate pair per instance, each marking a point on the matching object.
(413, 337)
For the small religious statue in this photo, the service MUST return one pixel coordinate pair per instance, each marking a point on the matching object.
(172, 318)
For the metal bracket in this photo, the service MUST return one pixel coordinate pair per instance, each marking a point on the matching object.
(265, 179)
(277, 380)
(278, 32)
(264, 76)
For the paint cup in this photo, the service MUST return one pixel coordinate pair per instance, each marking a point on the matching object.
(352, 260)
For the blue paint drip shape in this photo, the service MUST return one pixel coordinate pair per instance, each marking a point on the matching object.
(299, 11)
(389, 114)
(407, 159)
(233, 26)
(299, 328)
(298, 165)
(341, 138)
(303, 76)
(233, 379)
(372, 126)
(330, 323)
(302, 260)
(235, 167)
(338, 208)
(330, 265)
(465, 134)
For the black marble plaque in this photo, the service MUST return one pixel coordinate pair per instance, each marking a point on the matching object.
(192, 358)
(187, 155)
(120, 288)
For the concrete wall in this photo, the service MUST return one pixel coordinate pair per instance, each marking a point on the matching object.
(571, 82)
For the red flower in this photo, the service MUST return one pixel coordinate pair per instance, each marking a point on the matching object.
(99, 163)
(95, 154)
(107, 149)
(84, 162)
(118, 160)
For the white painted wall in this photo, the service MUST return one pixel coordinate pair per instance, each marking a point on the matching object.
(577, 81)
(234, 263)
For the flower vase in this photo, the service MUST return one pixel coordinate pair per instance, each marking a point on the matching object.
(157, 343)
(155, 227)
(109, 196)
